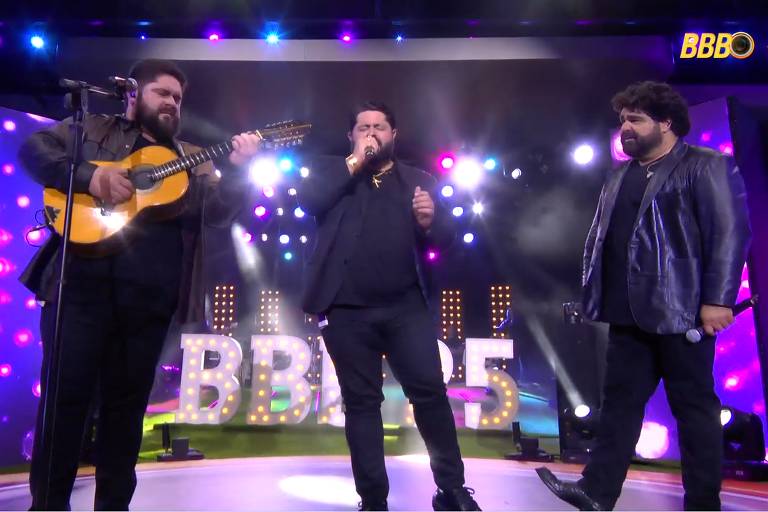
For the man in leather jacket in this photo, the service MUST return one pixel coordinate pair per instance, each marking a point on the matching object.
(118, 307)
(665, 254)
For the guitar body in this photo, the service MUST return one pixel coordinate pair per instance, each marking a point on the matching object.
(91, 224)
(161, 181)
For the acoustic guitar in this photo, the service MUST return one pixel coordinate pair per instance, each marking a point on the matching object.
(161, 180)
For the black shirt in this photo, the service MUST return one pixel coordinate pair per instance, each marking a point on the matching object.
(382, 265)
(151, 258)
(615, 302)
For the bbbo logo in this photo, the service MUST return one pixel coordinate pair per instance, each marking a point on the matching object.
(717, 46)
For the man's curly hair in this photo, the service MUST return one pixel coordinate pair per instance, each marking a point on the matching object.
(659, 101)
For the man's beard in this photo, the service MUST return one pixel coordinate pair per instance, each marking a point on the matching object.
(640, 146)
(162, 128)
(383, 155)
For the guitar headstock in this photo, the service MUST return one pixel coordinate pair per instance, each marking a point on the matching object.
(285, 134)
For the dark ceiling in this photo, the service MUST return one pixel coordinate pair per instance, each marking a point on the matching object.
(380, 18)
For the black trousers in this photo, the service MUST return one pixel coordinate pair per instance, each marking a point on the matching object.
(636, 361)
(112, 336)
(356, 339)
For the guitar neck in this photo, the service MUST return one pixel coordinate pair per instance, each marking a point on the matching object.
(191, 160)
(273, 136)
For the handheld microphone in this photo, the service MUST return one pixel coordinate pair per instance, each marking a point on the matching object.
(697, 334)
(369, 151)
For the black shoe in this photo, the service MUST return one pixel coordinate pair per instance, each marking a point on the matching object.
(569, 492)
(459, 498)
(372, 505)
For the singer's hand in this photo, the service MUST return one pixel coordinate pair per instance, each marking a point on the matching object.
(423, 208)
(111, 185)
(245, 145)
(715, 319)
(363, 147)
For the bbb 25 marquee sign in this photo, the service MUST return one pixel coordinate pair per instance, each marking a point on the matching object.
(265, 377)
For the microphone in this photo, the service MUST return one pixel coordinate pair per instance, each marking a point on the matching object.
(697, 334)
(369, 151)
(124, 85)
(120, 86)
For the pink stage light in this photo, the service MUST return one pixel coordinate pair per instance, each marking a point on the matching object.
(447, 161)
(22, 201)
(654, 440)
(214, 37)
(9, 125)
(432, 255)
(733, 382)
(706, 136)
(35, 236)
(346, 37)
(22, 338)
(260, 211)
(8, 169)
(5, 237)
(30, 303)
(5, 370)
(5, 298)
(6, 267)
(726, 147)
(36, 389)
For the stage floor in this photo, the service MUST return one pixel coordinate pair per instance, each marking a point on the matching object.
(325, 483)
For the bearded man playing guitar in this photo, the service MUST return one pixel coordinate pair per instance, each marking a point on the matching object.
(118, 306)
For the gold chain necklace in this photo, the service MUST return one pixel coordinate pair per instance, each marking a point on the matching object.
(378, 177)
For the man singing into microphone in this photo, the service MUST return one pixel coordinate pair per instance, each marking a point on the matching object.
(664, 254)
(376, 220)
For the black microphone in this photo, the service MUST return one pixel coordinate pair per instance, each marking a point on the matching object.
(120, 86)
(369, 151)
(697, 334)
(124, 85)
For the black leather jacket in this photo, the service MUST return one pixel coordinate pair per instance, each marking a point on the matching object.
(688, 244)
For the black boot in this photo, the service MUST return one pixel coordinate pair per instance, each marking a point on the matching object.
(459, 498)
(372, 505)
(569, 492)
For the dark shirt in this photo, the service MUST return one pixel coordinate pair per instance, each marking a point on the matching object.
(616, 309)
(153, 252)
(382, 265)
(145, 271)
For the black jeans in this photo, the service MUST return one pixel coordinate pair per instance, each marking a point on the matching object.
(356, 339)
(636, 361)
(112, 337)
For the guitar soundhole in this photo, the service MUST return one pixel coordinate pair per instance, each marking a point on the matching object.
(141, 178)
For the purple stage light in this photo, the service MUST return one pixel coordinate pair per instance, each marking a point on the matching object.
(22, 338)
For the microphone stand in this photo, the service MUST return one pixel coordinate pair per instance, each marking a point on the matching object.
(75, 100)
